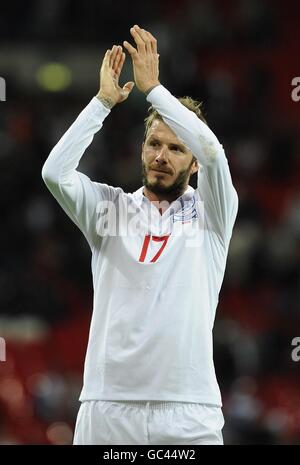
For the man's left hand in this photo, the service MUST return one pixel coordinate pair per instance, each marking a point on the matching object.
(145, 59)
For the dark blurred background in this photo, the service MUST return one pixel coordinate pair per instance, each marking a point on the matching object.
(238, 57)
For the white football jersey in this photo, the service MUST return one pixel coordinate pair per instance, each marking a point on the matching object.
(156, 278)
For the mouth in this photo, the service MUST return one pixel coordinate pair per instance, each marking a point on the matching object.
(160, 171)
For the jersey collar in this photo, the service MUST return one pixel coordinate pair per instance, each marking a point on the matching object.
(140, 197)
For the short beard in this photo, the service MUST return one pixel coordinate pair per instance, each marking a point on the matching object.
(174, 190)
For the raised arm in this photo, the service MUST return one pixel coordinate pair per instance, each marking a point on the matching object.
(73, 190)
(215, 186)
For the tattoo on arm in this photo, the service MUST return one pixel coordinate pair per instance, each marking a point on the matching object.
(106, 101)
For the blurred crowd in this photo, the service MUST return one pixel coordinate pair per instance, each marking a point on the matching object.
(239, 58)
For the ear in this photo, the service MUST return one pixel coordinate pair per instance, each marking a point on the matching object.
(195, 167)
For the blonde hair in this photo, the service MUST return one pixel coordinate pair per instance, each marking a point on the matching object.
(188, 102)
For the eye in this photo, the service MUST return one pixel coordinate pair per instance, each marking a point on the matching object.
(153, 143)
(177, 149)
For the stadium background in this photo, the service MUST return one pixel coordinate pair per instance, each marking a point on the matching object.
(237, 56)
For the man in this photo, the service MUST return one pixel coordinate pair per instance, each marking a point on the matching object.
(158, 261)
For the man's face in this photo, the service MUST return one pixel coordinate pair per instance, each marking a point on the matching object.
(167, 163)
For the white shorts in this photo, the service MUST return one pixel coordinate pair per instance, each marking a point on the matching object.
(148, 422)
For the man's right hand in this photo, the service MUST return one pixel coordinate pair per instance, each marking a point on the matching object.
(110, 92)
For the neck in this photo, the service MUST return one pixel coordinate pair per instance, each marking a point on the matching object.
(161, 197)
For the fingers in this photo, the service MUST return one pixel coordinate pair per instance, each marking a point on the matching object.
(114, 56)
(144, 40)
(120, 64)
(153, 42)
(118, 60)
(145, 36)
(141, 34)
(127, 88)
(106, 58)
(130, 49)
(145, 43)
(114, 59)
(125, 91)
(138, 38)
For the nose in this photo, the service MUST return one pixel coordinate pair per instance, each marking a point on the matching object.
(162, 157)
